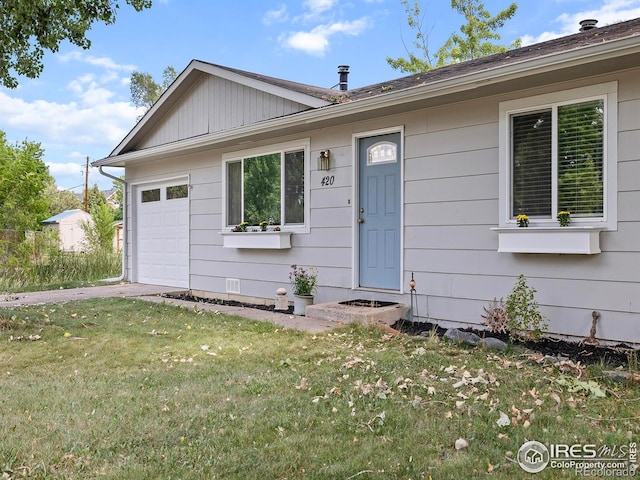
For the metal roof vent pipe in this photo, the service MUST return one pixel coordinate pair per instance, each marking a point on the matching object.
(588, 24)
(343, 71)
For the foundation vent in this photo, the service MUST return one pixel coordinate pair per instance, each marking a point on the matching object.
(233, 285)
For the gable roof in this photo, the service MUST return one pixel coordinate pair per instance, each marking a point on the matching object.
(522, 67)
(310, 96)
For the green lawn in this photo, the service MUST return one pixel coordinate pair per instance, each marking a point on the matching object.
(122, 388)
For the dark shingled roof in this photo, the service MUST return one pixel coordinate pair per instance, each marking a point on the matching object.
(318, 92)
(576, 41)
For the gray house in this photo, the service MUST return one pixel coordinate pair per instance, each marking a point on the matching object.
(424, 175)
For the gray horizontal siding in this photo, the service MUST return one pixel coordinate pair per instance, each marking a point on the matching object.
(451, 203)
(214, 104)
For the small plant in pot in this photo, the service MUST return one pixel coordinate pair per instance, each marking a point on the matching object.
(305, 283)
(241, 227)
(522, 220)
(564, 218)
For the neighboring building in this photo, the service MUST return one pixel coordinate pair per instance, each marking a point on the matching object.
(68, 224)
(426, 177)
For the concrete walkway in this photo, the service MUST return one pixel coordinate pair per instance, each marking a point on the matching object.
(152, 293)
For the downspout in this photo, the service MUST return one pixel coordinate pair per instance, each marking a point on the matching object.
(124, 225)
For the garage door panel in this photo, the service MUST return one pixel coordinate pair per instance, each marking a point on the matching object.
(163, 238)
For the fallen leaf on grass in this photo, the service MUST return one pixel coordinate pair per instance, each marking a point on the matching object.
(461, 443)
(504, 420)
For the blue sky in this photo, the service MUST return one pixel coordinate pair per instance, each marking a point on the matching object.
(80, 106)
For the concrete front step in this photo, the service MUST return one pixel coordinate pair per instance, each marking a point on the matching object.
(336, 312)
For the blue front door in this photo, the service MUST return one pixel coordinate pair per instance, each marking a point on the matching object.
(379, 211)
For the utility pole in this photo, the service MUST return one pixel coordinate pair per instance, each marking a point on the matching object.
(86, 186)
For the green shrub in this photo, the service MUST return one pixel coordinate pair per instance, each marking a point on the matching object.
(524, 318)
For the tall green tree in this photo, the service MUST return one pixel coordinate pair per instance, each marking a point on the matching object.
(473, 41)
(145, 91)
(422, 61)
(476, 36)
(23, 180)
(29, 27)
(100, 231)
(95, 197)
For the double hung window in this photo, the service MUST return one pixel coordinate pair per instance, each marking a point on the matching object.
(559, 155)
(267, 187)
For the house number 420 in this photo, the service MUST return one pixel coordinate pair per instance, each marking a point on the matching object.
(327, 181)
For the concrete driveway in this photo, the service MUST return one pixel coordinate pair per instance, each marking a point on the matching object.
(153, 293)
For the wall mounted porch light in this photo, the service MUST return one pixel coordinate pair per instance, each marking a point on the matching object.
(323, 160)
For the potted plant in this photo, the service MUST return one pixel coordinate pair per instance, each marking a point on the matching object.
(564, 218)
(305, 283)
(263, 226)
(523, 220)
(242, 227)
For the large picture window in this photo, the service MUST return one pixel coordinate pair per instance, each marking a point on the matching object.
(269, 187)
(559, 152)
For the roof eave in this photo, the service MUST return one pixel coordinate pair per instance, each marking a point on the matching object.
(457, 84)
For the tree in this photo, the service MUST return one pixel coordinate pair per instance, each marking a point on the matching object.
(145, 91)
(100, 231)
(23, 180)
(477, 33)
(473, 42)
(414, 64)
(61, 200)
(29, 27)
(95, 197)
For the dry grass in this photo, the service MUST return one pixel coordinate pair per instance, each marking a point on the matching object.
(122, 388)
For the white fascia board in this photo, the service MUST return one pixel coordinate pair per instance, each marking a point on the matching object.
(542, 64)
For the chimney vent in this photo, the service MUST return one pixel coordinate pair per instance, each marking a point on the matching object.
(343, 71)
(588, 24)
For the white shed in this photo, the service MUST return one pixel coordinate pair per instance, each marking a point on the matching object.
(69, 227)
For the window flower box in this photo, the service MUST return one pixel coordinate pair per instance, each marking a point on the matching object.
(583, 240)
(258, 240)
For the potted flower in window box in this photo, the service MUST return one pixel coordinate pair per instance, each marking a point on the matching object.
(564, 218)
(305, 283)
(241, 227)
(522, 220)
(263, 226)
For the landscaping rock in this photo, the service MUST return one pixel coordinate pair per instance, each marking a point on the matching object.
(618, 376)
(458, 336)
(493, 343)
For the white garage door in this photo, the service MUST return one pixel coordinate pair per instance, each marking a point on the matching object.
(162, 233)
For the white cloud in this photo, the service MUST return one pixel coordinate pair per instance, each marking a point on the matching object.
(275, 16)
(103, 62)
(65, 169)
(316, 41)
(319, 6)
(611, 11)
(95, 121)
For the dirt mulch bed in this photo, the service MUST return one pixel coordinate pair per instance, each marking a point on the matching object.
(586, 353)
(230, 303)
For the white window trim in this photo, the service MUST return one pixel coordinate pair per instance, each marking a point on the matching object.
(608, 92)
(303, 144)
